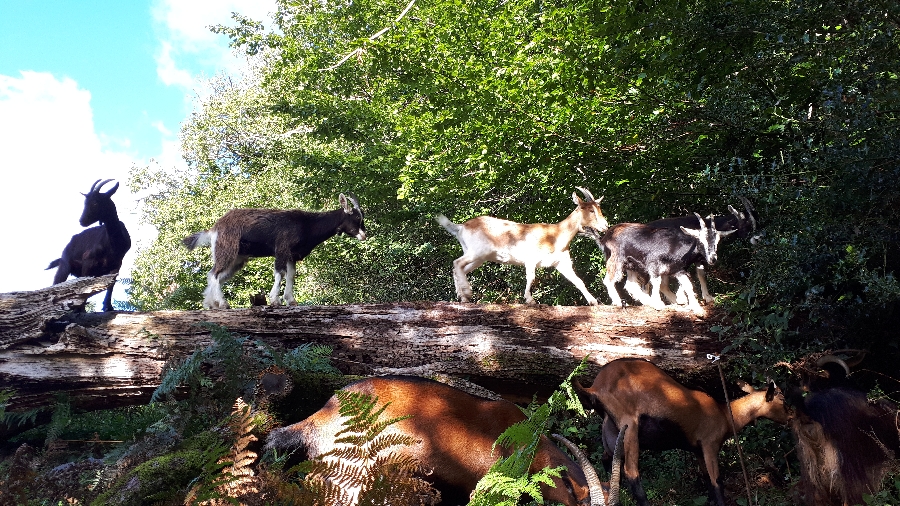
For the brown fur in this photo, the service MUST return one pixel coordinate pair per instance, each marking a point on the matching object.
(457, 432)
(666, 415)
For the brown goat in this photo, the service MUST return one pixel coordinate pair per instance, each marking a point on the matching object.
(636, 393)
(456, 431)
(845, 442)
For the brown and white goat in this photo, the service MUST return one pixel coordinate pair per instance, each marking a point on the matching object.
(845, 442)
(488, 239)
(743, 225)
(667, 415)
(640, 249)
(98, 250)
(289, 235)
(456, 433)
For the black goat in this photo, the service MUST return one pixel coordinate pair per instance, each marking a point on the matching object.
(743, 225)
(98, 250)
(288, 235)
(845, 442)
(656, 252)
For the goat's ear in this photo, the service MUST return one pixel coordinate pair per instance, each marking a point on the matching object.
(743, 385)
(576, 199)
(691, 232)
(723, 233)
(343, 200)
(771, 391)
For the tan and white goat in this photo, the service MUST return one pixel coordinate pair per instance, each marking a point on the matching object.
(488, 239)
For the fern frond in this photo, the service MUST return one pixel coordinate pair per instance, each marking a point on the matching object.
(361, 465)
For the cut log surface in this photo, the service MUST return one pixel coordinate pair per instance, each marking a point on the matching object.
(104, 360)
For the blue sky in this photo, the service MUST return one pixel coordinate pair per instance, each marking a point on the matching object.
(88, 90)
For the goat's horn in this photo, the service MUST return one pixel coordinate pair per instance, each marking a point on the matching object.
(735, 212)
(590, 474)
(856, 359)
(98, 186)
(615, 476)
(831, 359)
(587, 194)
(93, 186)
(352, 199)
(750, 210)
(702, 223)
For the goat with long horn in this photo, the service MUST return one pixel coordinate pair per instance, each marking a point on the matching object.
(98, 250)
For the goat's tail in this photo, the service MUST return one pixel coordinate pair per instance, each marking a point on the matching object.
(451, 227)
(54, 264)
(202, 238)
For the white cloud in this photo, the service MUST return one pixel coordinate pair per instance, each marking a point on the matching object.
(50, 154)
(189, 48)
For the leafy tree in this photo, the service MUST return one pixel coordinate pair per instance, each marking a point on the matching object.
(501, 108)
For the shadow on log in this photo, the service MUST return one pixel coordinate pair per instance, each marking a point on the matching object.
(105, 360)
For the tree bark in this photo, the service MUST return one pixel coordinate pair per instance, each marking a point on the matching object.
(104, 360)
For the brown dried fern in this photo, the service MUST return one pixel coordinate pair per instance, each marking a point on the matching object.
(237, 478)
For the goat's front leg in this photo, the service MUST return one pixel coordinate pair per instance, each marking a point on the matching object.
(530, 272)
(631, 451)
(565, 268)
(274, 298)
(710, 458)
(704, 290)
(684, 284)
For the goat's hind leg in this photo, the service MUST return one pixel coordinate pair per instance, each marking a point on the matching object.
(107, 301)
(461, 267)
(213, 296)
(289, 284)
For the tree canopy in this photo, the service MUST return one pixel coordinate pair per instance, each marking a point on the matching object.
(483, 107)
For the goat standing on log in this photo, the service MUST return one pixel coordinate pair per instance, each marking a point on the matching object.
(845, 442)
(656, 252)
(98, 250)
(636, 393)
(743, 225)
(456, 431)
(288, 235)
(488, 239)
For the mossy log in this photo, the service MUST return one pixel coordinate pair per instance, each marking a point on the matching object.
(104, 360)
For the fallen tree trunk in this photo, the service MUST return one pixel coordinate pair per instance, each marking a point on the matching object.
(104, 360)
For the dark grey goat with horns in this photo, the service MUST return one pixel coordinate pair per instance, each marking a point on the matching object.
(98, 250)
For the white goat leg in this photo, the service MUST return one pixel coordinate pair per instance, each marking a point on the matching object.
(289, 284)
(565, 268)
(274, 299)
(655, 301)
(529, 279)
(684, 282)
(704, 290)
